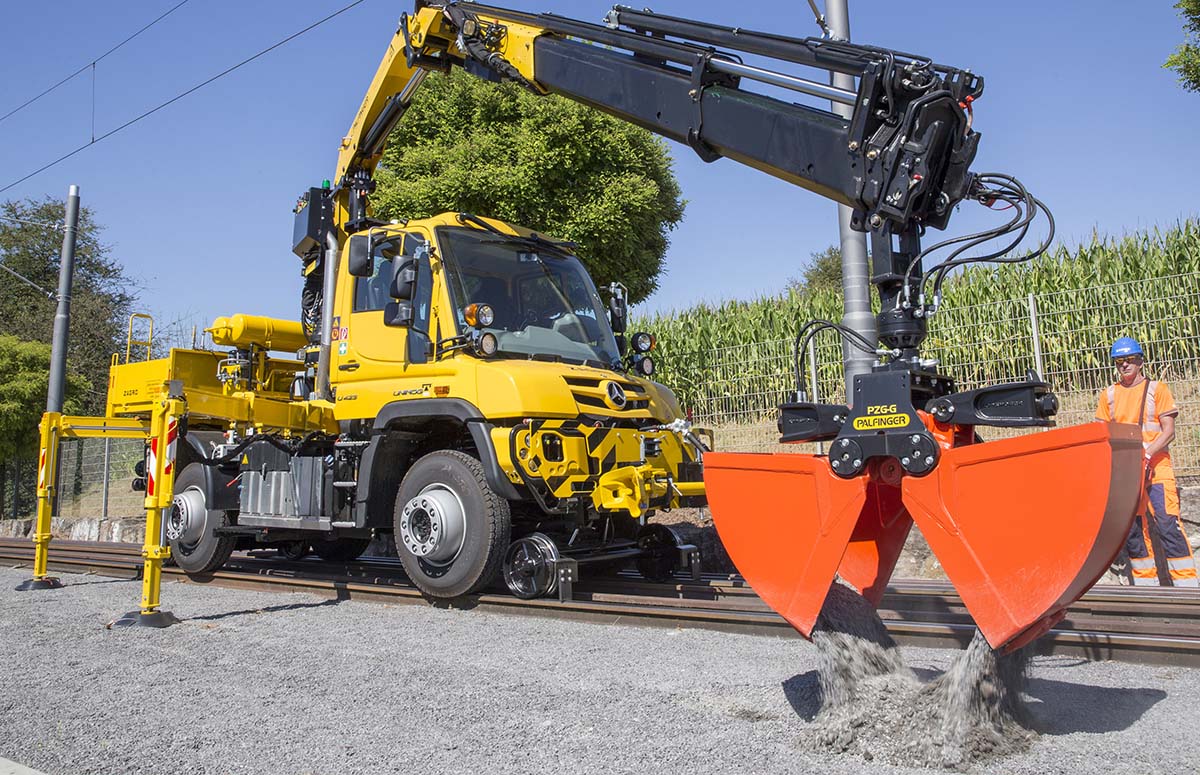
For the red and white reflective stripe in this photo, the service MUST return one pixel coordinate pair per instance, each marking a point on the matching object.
(152, 462)
(42, 470)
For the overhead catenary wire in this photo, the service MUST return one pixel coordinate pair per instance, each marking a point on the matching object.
(49, 294)
(183, 94)
(92, 64)
(26, 222)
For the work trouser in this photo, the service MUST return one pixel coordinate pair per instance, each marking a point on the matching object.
(1161, 506)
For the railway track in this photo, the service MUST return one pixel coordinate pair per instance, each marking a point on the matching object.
(1153, 626)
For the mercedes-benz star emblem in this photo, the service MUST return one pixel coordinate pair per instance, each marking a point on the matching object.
(616, 395)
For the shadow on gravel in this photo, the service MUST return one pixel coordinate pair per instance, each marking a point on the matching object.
(1061, 707)
(271, 609)
(98, 581)
(457, 604)
(803, 693)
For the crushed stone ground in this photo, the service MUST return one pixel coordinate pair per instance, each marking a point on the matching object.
(257, 682)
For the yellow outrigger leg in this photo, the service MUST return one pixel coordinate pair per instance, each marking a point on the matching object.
(47, 485)
(160, 487)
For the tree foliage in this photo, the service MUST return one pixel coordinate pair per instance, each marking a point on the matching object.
(24, 379)
(1186, 59)
(823, 272)
(542, 162)
(99, 298)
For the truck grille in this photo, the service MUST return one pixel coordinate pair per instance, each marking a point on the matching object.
(589, 394)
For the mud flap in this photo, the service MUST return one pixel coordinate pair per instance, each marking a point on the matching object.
(1024, 526)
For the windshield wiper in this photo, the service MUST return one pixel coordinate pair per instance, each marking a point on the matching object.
(555, 249)
(532, 239)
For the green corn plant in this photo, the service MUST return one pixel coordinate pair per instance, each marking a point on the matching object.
(731, 362)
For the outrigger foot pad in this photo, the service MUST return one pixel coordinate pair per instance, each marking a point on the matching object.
(46, 582)
(156, 619)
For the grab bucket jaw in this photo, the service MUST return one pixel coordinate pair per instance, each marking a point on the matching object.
(1022, 526)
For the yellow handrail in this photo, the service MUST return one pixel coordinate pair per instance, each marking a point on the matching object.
(130, 341)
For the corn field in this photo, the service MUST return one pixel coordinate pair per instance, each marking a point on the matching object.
(1056, 315)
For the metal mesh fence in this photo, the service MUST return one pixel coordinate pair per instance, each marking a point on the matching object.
(94, 481)
(1062, 335)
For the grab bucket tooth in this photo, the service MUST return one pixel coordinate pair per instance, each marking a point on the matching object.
(876, 542)
(1022, 526)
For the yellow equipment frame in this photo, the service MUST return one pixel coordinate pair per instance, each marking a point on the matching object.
(161, 432)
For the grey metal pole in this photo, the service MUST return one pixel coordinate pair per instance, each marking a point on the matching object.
(856, 279)
(62, 317)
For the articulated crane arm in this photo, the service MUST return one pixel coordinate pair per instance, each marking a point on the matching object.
(901, 161)
(904, 447)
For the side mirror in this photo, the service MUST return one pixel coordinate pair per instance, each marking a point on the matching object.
(361, 262)
(404, 279)
(398, 314)
(618, 314)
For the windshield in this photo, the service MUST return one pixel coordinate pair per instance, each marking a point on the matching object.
(544, 300)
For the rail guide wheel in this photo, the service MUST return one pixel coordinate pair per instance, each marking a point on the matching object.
(660, 547)
(531, 566)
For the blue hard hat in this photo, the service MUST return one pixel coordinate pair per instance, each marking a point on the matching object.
(1126, 345)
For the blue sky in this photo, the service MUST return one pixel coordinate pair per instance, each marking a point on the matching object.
(197, 199)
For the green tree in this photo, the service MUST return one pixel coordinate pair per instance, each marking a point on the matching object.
(99, 298)
(542, 162)
(1186, 59)
(24, 378)
(823, 272)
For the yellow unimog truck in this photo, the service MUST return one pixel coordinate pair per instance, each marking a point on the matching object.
(479, 409)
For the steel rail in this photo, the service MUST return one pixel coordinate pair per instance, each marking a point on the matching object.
(1152, 626)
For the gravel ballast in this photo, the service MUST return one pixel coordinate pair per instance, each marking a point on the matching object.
(255, 682)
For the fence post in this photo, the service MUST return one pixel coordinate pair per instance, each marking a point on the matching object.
(812, 379)
(1037, 339)
(104, 491)
(16, 499)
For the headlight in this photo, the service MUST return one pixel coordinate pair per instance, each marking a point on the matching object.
(643, 365)
(479, 315)
(642, 342)
(487, 344)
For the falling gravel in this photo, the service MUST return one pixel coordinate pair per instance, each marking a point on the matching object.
(874, 705)
(263, 682)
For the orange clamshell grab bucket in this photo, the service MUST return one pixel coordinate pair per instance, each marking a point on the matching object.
(1022, 526)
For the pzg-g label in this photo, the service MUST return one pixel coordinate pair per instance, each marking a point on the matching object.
(881, 417)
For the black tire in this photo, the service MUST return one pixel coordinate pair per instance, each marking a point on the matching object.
(340, 549)
(197, 550)
(293, 550)
(486, 523)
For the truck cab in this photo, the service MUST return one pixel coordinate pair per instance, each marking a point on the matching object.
(488, 349)
(466, 391)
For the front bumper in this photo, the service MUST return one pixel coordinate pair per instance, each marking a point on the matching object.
(613, 469)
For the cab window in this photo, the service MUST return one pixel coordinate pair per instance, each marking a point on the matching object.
(371, 293)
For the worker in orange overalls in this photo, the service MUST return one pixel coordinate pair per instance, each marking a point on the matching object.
(1148, 403)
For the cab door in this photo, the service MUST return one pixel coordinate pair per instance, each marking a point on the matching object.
(373, 362)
